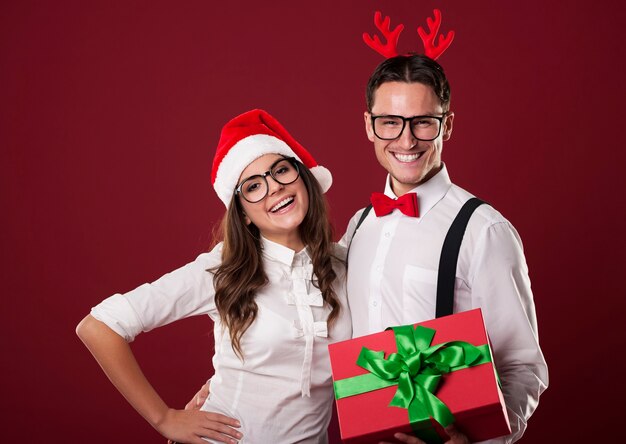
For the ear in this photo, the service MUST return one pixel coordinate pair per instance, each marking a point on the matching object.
(246, 219)
(447, 126)
(369, 130)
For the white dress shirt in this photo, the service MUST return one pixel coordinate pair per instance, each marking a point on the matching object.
(282, 391)
(392, 280)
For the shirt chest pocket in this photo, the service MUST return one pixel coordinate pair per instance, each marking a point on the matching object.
(419, 294)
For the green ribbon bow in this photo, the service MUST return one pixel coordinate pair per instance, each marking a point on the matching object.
(417, 369)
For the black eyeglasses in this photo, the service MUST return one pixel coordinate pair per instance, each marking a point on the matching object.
(255, 188)
(425, 128)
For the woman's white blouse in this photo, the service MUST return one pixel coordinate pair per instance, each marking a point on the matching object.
(282, 391)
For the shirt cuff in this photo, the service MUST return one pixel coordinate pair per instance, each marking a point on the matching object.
(117, 313)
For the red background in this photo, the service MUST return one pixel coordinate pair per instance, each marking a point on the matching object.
(109, 114)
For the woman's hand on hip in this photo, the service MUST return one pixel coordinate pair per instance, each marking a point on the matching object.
(189, 426)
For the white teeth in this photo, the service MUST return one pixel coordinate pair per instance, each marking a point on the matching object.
(282, 203)
(407, 157)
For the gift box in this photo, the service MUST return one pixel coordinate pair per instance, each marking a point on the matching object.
(417, 379)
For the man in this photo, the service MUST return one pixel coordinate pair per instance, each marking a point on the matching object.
(408, 118)
(399, 255)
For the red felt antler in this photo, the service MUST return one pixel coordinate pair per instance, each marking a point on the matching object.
(430, 49)
(389, 49)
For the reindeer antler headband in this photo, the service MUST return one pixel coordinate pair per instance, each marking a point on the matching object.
(389, 49)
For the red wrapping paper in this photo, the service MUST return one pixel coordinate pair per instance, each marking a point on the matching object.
(472, 394)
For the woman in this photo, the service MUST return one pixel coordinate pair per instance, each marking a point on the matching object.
(273, 287)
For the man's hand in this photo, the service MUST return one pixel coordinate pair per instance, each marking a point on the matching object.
(196, 402)
(189, 426)
(199, 398)
(456, 437)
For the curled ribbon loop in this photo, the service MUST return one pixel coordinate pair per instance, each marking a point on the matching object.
(416, 369)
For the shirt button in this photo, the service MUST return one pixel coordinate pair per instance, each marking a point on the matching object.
(387, 234)
(375, 304)
(379, 268)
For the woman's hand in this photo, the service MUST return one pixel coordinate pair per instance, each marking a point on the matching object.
(188, 426)
(118, 362)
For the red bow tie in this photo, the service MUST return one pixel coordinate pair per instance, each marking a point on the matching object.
(383, 205)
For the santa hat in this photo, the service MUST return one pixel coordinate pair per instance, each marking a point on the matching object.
(248, 137)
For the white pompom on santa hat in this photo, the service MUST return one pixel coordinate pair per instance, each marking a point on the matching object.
(248, 137)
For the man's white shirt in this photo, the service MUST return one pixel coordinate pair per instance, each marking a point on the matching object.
(392, 280)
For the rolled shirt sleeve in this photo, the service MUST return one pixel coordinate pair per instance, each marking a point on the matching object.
(187, 291)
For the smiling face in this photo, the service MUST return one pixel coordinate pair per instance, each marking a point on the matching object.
(409, 161)
(278, 216)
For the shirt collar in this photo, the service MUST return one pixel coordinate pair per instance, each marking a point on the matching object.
(429, 192)
(282, 254)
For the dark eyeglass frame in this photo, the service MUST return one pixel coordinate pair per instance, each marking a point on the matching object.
(404, 121)
(292, 160)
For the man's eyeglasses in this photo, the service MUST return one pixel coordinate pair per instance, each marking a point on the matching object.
(255, 188)
(425, 128)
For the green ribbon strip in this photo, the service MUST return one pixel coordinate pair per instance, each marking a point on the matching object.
(416, 369)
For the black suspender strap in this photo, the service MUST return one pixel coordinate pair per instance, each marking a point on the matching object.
(362, 218)
(449, 254)
(358, 224)
(449, 258)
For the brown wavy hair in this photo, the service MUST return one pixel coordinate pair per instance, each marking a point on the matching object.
(241, 275)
